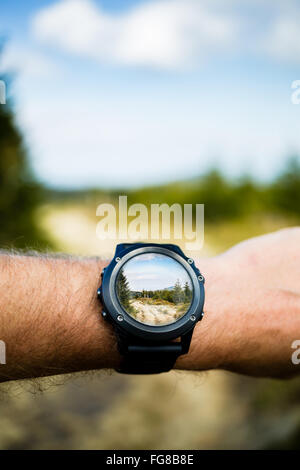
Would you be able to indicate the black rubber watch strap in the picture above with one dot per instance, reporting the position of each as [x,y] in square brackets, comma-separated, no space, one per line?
[149,358]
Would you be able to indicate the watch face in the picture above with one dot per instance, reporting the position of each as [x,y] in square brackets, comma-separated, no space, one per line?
[154,289]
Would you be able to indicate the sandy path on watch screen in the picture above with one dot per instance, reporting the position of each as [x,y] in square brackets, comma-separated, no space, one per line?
[154,314]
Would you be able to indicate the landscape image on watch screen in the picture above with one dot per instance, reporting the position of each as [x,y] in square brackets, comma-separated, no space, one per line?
[154,289]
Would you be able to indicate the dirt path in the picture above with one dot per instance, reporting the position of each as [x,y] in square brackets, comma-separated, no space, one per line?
[154,314]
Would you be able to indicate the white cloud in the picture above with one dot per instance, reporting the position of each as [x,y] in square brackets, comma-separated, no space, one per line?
[161,33]
[283,39]
[27,62]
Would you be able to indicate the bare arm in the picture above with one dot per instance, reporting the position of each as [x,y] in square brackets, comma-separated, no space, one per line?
[252,308]
[50,317]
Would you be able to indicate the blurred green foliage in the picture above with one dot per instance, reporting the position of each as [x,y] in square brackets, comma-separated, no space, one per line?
[226,199]
[286,189]
[20,195]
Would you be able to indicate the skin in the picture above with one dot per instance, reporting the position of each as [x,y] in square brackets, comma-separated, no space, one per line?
[50,317]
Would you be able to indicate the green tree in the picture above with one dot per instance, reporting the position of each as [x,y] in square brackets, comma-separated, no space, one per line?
[178,294]
[20,195]
[123,290]
[187,293]
[286,189]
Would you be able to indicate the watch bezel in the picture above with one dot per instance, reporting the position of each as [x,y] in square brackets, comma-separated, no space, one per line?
[113,308]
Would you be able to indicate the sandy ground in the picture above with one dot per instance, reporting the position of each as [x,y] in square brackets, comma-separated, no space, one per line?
[154,314]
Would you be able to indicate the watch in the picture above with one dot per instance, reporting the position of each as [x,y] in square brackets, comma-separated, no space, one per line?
[153,295]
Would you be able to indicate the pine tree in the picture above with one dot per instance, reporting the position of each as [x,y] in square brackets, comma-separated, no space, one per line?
[178,294]
[123,290]
[187,293]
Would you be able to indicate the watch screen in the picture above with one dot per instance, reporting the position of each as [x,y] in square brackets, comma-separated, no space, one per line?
[154,289]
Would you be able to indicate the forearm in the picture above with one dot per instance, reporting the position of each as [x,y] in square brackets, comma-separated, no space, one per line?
[50,318]
[51,322]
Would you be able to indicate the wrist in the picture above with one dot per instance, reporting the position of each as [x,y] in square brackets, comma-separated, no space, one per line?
[208,346]
[97,346]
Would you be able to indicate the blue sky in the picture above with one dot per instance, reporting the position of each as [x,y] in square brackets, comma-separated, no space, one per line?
[154,272]
[125,93]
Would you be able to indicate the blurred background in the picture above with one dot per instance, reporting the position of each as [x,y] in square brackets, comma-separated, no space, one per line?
[165,101]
